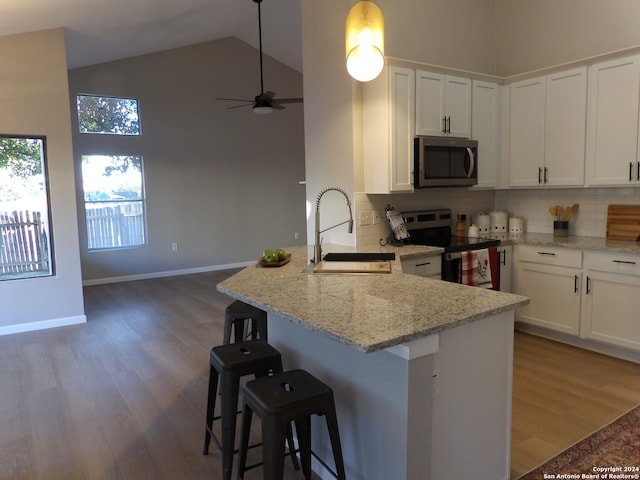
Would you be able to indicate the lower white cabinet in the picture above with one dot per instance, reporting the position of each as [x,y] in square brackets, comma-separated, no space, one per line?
[611,300]
[554,291]
[505,257]
[598,300]
[428,265]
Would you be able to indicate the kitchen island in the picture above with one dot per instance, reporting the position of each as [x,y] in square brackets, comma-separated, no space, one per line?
[421,368]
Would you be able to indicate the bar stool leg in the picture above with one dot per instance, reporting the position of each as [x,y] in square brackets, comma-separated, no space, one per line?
[332,426]
[244,441]
[211,406]
[273,448]
[229,404]
[303,429]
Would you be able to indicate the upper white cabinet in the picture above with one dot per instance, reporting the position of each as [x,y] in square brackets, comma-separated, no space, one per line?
[547,129]
[443,105]
[389,126]
[485,128]
[612,157]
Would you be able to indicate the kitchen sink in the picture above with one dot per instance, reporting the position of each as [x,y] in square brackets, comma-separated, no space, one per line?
[359,257]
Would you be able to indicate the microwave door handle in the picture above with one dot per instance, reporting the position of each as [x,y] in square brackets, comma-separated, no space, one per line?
[472,162]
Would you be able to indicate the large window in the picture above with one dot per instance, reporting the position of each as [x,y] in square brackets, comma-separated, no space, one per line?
[108,115]
[113,201]
[25,239]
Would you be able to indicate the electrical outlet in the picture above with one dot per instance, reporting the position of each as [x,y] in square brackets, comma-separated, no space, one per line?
[376,218]
[174,247]
[365,218]
[296,235]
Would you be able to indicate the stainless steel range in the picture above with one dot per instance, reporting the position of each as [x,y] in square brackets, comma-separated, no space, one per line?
[434,228]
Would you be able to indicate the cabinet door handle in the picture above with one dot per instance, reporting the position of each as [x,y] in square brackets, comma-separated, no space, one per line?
[504,257]
[539,174]
[548,254]
[546,174]
[423,264]
[444,124]
[588,285]
[631,171]
[626,262]
[575,284]
[638,171]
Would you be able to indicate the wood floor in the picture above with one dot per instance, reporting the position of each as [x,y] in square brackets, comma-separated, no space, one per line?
[562,394]
[123,396]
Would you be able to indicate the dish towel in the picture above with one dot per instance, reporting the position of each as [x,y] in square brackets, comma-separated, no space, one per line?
[475,268]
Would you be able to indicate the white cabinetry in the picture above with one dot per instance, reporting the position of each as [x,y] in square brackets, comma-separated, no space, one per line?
[547,130]
[428,265]
[611,303]
[612,157]
[505,258]
[443,105]
[389,125]
[485,128]
[551,278]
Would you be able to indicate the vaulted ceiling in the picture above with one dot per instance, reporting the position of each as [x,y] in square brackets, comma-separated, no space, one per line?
[98,31]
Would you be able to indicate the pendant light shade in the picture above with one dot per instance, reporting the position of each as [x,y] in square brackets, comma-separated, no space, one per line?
[365,41]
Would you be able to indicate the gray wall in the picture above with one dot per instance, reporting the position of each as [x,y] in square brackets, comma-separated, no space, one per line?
[34,100]
[222,183]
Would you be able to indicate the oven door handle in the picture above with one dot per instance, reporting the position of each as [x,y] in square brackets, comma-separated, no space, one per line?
[472,162]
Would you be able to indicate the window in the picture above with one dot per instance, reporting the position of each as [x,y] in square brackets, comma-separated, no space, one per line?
[25,245]
[113,201]
[108,115]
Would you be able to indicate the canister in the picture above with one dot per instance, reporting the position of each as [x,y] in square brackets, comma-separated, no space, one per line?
[516,225]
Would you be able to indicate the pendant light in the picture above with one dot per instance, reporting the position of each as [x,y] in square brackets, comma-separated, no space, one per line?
[365,41]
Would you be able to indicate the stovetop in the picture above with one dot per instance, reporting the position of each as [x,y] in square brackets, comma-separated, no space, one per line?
[434,227]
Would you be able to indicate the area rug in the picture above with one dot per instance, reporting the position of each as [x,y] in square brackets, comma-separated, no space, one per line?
[612,452]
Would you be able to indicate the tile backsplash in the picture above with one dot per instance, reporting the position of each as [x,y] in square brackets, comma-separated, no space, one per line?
[530,204]
[591,221]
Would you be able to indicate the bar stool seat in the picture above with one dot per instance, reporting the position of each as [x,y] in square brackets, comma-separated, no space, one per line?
[235,317]
[228,363]
[278,400]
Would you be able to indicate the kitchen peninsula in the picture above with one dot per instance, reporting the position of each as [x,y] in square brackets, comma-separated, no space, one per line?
[421,368]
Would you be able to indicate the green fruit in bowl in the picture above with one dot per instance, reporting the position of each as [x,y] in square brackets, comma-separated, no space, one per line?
[270,256]
[282,255]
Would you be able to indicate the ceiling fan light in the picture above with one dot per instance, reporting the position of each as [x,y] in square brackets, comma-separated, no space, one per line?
[262,110]
[365,41]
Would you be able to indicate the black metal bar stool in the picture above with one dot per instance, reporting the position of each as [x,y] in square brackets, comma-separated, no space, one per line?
[228,363]
[278,400]
[235,317]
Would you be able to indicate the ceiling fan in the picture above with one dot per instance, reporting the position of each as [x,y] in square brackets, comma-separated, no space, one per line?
[264,102]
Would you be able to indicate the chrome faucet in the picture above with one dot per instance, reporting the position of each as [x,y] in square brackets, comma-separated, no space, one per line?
[318,247]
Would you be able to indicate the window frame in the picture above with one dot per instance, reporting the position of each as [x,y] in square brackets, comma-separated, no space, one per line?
[122,134]
[142,201]
[47,224]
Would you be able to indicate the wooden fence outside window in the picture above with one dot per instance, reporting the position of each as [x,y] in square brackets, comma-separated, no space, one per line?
[24,246]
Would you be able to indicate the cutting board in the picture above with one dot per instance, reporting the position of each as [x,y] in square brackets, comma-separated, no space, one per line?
[623,222]
[352,267]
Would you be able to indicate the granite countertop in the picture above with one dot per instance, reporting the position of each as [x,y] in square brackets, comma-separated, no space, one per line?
[582,243]
[368,312]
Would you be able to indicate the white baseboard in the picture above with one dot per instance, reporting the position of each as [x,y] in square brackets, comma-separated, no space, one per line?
[170,273]
[42,325]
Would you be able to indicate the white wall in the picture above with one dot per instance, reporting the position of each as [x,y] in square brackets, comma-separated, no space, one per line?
[533,34]
[35,101]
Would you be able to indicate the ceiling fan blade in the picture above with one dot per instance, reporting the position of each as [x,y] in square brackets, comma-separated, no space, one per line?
[234,99]
[289,100]
[275,105]
[240,106]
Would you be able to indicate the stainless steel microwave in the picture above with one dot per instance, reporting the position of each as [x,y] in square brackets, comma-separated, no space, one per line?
[445,162]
